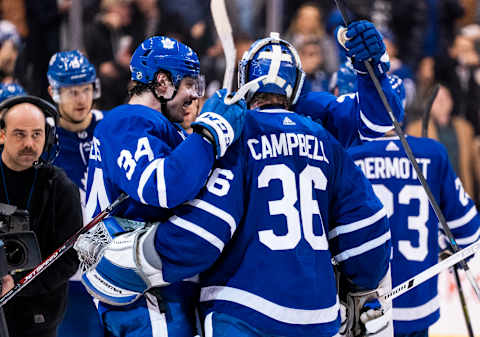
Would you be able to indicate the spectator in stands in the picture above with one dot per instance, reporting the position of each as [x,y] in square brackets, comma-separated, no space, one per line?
[455,133]
[307,24]
[9,47]
[108,47]
[311,55]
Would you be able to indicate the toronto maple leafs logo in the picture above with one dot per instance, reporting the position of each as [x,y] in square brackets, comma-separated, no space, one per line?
[168,43]
[75,63]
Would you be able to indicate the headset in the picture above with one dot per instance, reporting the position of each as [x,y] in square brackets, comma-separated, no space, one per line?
[51,147]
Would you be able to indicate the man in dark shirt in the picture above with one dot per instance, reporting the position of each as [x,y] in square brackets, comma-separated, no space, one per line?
[53,203]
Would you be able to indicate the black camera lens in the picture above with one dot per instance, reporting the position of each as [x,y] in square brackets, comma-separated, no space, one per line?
[16,253]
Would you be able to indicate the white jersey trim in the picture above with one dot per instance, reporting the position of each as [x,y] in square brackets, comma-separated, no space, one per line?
[158,165]
[344,229]
[208,325]
[195,229]
[276,111]
[469,239]
[275,311]
[219,213]
[413,313]
[369,245]
[373,126]
[157,319]
[463,220]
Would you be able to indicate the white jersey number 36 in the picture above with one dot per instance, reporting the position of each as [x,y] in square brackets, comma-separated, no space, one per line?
[311,177]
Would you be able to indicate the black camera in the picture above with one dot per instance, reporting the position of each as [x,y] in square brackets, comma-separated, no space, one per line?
[21,245]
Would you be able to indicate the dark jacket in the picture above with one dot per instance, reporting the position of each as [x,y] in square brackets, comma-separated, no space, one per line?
[56,215]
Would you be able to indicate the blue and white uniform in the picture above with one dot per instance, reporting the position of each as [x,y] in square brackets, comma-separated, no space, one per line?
[74,150]
[355,117]
[282,203]
[138,151]
[414,225]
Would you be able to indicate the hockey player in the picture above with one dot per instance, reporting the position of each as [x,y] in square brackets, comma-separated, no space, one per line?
[140,150]
[283,201]
[73,86]
[9,90]
[414,225]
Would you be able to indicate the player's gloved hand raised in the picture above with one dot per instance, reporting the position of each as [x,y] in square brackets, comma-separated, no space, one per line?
[363,42]
[220,122]
[123,271]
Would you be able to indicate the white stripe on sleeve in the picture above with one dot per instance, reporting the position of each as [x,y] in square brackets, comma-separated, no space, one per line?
[469,239]
[158,165]
[373,126]
[204,234]
[344,229]
[369,245]
[219,213]
[464,219]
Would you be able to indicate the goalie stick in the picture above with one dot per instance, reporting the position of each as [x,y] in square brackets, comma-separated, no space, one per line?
[224,31]
[432,271]
[398,129]
[60,251]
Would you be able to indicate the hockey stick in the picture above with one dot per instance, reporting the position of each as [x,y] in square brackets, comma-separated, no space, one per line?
[411,157]
[224,31]
[432,271]
[60,251]
[428,108]
[468,323]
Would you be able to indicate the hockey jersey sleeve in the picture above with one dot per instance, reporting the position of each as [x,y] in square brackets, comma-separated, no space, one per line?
[359,232]
[191,240]
[459,210]
[146,167]
[355,117]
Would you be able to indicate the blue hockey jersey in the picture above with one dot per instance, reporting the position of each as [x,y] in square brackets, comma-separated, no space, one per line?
[138,151]
[283,202]
[414,225]
[74,150]
[356,117]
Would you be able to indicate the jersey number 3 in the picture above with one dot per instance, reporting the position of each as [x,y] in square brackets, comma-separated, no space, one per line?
[311,177]
[417,223]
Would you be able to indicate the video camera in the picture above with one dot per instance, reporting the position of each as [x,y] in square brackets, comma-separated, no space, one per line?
[21,245]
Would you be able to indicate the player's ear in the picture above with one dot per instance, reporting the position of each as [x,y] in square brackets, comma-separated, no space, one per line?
[50,91]
[163,82]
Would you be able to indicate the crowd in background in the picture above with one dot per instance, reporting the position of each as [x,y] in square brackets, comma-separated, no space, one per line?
[429,42]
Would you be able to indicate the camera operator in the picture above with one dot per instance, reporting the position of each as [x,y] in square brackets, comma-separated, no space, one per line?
[32,183]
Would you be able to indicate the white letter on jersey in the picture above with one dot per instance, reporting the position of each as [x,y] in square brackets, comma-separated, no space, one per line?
[143,149]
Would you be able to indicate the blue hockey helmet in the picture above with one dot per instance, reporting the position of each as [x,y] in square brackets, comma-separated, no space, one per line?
[274,66]
[70,68]
[9,90]
[167,54]
[344,79]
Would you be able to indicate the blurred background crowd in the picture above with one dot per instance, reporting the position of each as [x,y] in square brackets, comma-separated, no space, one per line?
[429,42]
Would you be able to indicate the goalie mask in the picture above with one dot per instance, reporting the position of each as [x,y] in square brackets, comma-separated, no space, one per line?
[271,65]
[167,54]
[71,68]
